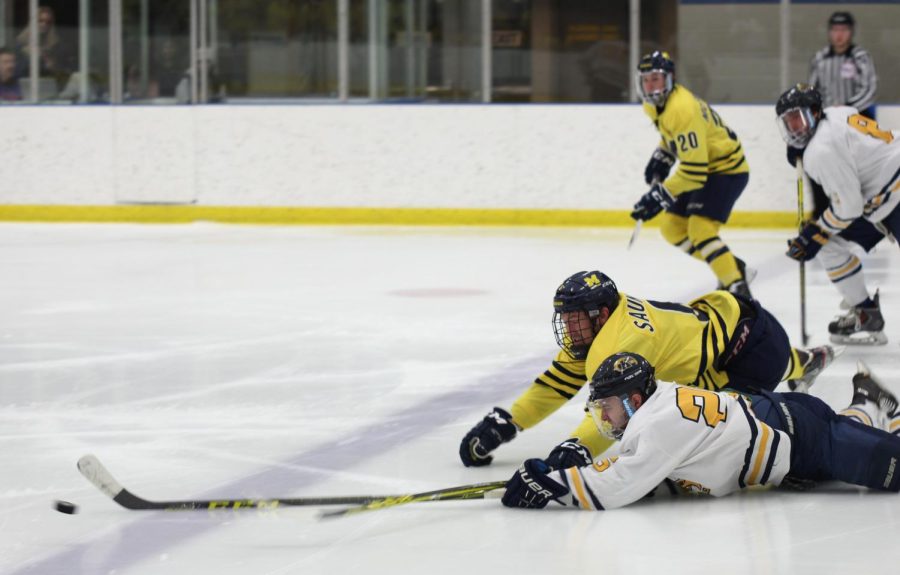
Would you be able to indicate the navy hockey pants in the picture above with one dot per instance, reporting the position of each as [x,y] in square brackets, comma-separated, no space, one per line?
[892,222]
[714,200]
[758,353]
[825,445]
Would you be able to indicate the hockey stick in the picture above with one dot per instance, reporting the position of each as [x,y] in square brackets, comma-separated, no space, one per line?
[634,234]
[474,491]
[96,473]
[638,224]
[800,216]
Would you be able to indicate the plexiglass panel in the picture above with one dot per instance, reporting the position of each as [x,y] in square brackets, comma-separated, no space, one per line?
[72,51]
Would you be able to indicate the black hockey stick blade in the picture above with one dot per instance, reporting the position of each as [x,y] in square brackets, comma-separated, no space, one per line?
[96,473]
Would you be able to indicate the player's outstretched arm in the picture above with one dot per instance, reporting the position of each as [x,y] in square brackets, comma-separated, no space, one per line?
[569,453]
[495,429]
[531,486]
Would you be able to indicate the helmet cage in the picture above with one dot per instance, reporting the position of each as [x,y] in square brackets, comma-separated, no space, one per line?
[797,126]
[576,307]
[573,334]
[656,98]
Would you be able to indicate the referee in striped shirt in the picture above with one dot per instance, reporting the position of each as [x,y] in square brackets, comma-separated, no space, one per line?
[844,72]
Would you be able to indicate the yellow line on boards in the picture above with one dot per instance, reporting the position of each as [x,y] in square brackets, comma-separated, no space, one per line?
[172,214]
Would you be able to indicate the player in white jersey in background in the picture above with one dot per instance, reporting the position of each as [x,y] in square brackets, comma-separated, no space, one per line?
[858,165]
[715,443]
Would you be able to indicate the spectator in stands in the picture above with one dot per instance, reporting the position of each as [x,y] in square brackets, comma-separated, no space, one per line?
[9,82]
[170,68]
[55,59]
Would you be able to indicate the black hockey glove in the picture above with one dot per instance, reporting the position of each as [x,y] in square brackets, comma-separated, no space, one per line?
[658,167]
[653,202]
[793,154]
[805,246]
[496,428]
[797,483]
[531,488]
[569,453]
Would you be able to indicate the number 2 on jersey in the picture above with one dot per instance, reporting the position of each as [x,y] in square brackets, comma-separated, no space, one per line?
[870,127]
[693,403]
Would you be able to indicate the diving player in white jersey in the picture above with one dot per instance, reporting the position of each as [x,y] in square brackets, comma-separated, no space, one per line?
[858,165]
[715,442]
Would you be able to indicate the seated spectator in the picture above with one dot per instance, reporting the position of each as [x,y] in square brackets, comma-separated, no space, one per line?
[9,82]
[55,59]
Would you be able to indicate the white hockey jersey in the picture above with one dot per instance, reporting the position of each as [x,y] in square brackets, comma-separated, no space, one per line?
[857,163]
[709,442]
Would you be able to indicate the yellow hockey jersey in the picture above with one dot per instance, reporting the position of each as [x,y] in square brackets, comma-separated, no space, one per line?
[682,342]
[697,136]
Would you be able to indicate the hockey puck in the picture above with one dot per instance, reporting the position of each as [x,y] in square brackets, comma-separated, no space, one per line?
[66,507]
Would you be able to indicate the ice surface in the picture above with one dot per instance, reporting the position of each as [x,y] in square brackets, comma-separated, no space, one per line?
[205,361]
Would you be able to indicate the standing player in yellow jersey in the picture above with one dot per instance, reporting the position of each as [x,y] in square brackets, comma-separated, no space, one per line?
[718,340]
[712,171]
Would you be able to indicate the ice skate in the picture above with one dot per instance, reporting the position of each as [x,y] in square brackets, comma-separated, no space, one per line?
[747,276]
[740,288]
[859,326]
[866,387]
[818,359]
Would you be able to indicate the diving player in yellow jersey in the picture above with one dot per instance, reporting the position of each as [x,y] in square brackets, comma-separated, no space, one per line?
[712,171]
[718,340]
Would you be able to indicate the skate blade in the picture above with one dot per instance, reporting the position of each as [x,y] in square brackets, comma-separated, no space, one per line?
[798,386]
[861,338]
[749,275]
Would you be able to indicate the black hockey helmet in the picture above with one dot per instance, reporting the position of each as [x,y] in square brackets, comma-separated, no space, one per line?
[622,373]
[656,61]
[612,386]
[587,292]
[841,19]
[798,111]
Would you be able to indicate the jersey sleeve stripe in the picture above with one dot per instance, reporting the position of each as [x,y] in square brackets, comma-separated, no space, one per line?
[696,178]
[559,391]
[833,222]
[742,483]
[703,359]
[697,164]
[734,155]
[727,168]
[559,367]
[574,386]
[760,455]
[714,339]
[776,438]
[702,172]
[575,481]
[723,327]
